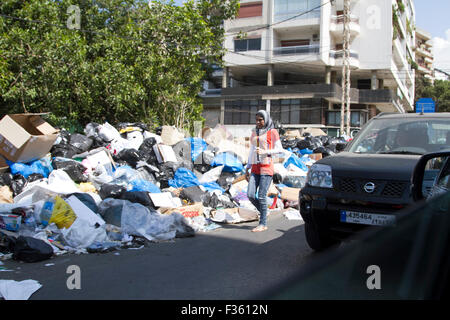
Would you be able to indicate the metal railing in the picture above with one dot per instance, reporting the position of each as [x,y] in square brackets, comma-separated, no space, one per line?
[340,54]
[340,19]
[297,50]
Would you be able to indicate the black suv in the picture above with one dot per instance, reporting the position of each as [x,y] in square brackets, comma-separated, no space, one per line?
[370,180]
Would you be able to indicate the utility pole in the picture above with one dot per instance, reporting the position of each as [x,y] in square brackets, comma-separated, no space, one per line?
[346,81]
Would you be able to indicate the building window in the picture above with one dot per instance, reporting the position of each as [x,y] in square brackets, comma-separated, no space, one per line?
[247,45]
[288,8]
[296,111]
[242,111]
[247,10]
[357,118]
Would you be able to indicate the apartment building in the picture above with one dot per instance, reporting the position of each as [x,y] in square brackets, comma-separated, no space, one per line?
[286,56]
[424,54]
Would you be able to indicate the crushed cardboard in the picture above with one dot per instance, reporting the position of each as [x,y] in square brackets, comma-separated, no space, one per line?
[25,137]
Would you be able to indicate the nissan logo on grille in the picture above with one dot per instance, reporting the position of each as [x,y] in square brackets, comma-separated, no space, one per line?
[369,187]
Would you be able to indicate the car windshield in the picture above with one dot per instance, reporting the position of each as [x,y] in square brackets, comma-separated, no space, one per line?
[403,136]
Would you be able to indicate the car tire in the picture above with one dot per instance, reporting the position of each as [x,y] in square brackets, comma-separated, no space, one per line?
[317,239]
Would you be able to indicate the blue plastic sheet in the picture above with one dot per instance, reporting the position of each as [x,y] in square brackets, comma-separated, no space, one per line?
[299,162]
[42,166]
[230,162]
[144,185]
[198,145]
[185,178]
[306,151]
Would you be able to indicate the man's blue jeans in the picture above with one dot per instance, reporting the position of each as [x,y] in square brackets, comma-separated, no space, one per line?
[260,183]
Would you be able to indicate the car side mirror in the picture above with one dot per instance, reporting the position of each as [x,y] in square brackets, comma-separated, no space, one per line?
[340,146]
[431,174]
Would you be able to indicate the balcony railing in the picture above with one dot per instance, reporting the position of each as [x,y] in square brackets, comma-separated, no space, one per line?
[297,50]
[340,19]
[340,54]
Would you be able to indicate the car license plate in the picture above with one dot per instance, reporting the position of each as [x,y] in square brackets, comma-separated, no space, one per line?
[372,219]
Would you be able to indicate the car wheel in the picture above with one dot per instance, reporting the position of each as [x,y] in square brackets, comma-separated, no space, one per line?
[318,240]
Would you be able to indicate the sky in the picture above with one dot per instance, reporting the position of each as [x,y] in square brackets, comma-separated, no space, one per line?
[432,16]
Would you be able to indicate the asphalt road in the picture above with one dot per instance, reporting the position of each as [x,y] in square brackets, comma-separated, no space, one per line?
[228,263]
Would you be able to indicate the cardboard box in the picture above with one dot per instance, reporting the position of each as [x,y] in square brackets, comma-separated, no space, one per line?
[290,194]
[315,156]
[192,211]
[25,137]
[10,222]
[3,165]
[164,153]
[293,134]
[315,132]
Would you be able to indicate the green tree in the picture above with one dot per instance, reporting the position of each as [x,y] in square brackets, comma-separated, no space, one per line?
[129,62]
[439,92]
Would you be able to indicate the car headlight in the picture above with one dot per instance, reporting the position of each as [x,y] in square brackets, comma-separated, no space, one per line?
[319,175]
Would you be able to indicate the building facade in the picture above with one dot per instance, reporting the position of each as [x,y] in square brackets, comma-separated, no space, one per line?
[286,56]
[424,55]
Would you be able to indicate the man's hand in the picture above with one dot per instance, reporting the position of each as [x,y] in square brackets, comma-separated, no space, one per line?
[247,174]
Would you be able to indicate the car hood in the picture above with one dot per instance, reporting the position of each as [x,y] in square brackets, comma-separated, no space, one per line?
[372,166]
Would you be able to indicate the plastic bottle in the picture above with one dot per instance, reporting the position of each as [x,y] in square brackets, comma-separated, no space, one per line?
[47,211]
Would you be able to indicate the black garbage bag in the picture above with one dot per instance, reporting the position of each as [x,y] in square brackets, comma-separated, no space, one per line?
[73,168]
[325,151]
[226,180]
[193,194]
[130,156]
[212,200]
[146,173]
[146,152]
[7,243]
[6,178]
[182,150]
[81,142]
[64,150]
[315,142]
[141,197]
[294,181]
[17,184]
[325,140]
[289,143]
[304,144]
[277,178]
[29,249]
[111,191]
[202,168]
[158,131]
[205,158]
[92,131]
[34,177]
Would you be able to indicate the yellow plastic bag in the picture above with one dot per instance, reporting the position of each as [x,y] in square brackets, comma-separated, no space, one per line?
[87,187]
[62,214]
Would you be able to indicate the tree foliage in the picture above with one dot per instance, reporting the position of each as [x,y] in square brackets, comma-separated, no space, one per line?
[439,92]
[129,61]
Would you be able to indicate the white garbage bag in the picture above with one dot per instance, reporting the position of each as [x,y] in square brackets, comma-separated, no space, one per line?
[82,234]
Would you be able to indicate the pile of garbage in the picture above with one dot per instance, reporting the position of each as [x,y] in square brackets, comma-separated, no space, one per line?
[123,186]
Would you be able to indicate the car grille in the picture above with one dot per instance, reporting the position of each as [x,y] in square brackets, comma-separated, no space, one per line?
[348,185]
[391,189]
[394,189]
